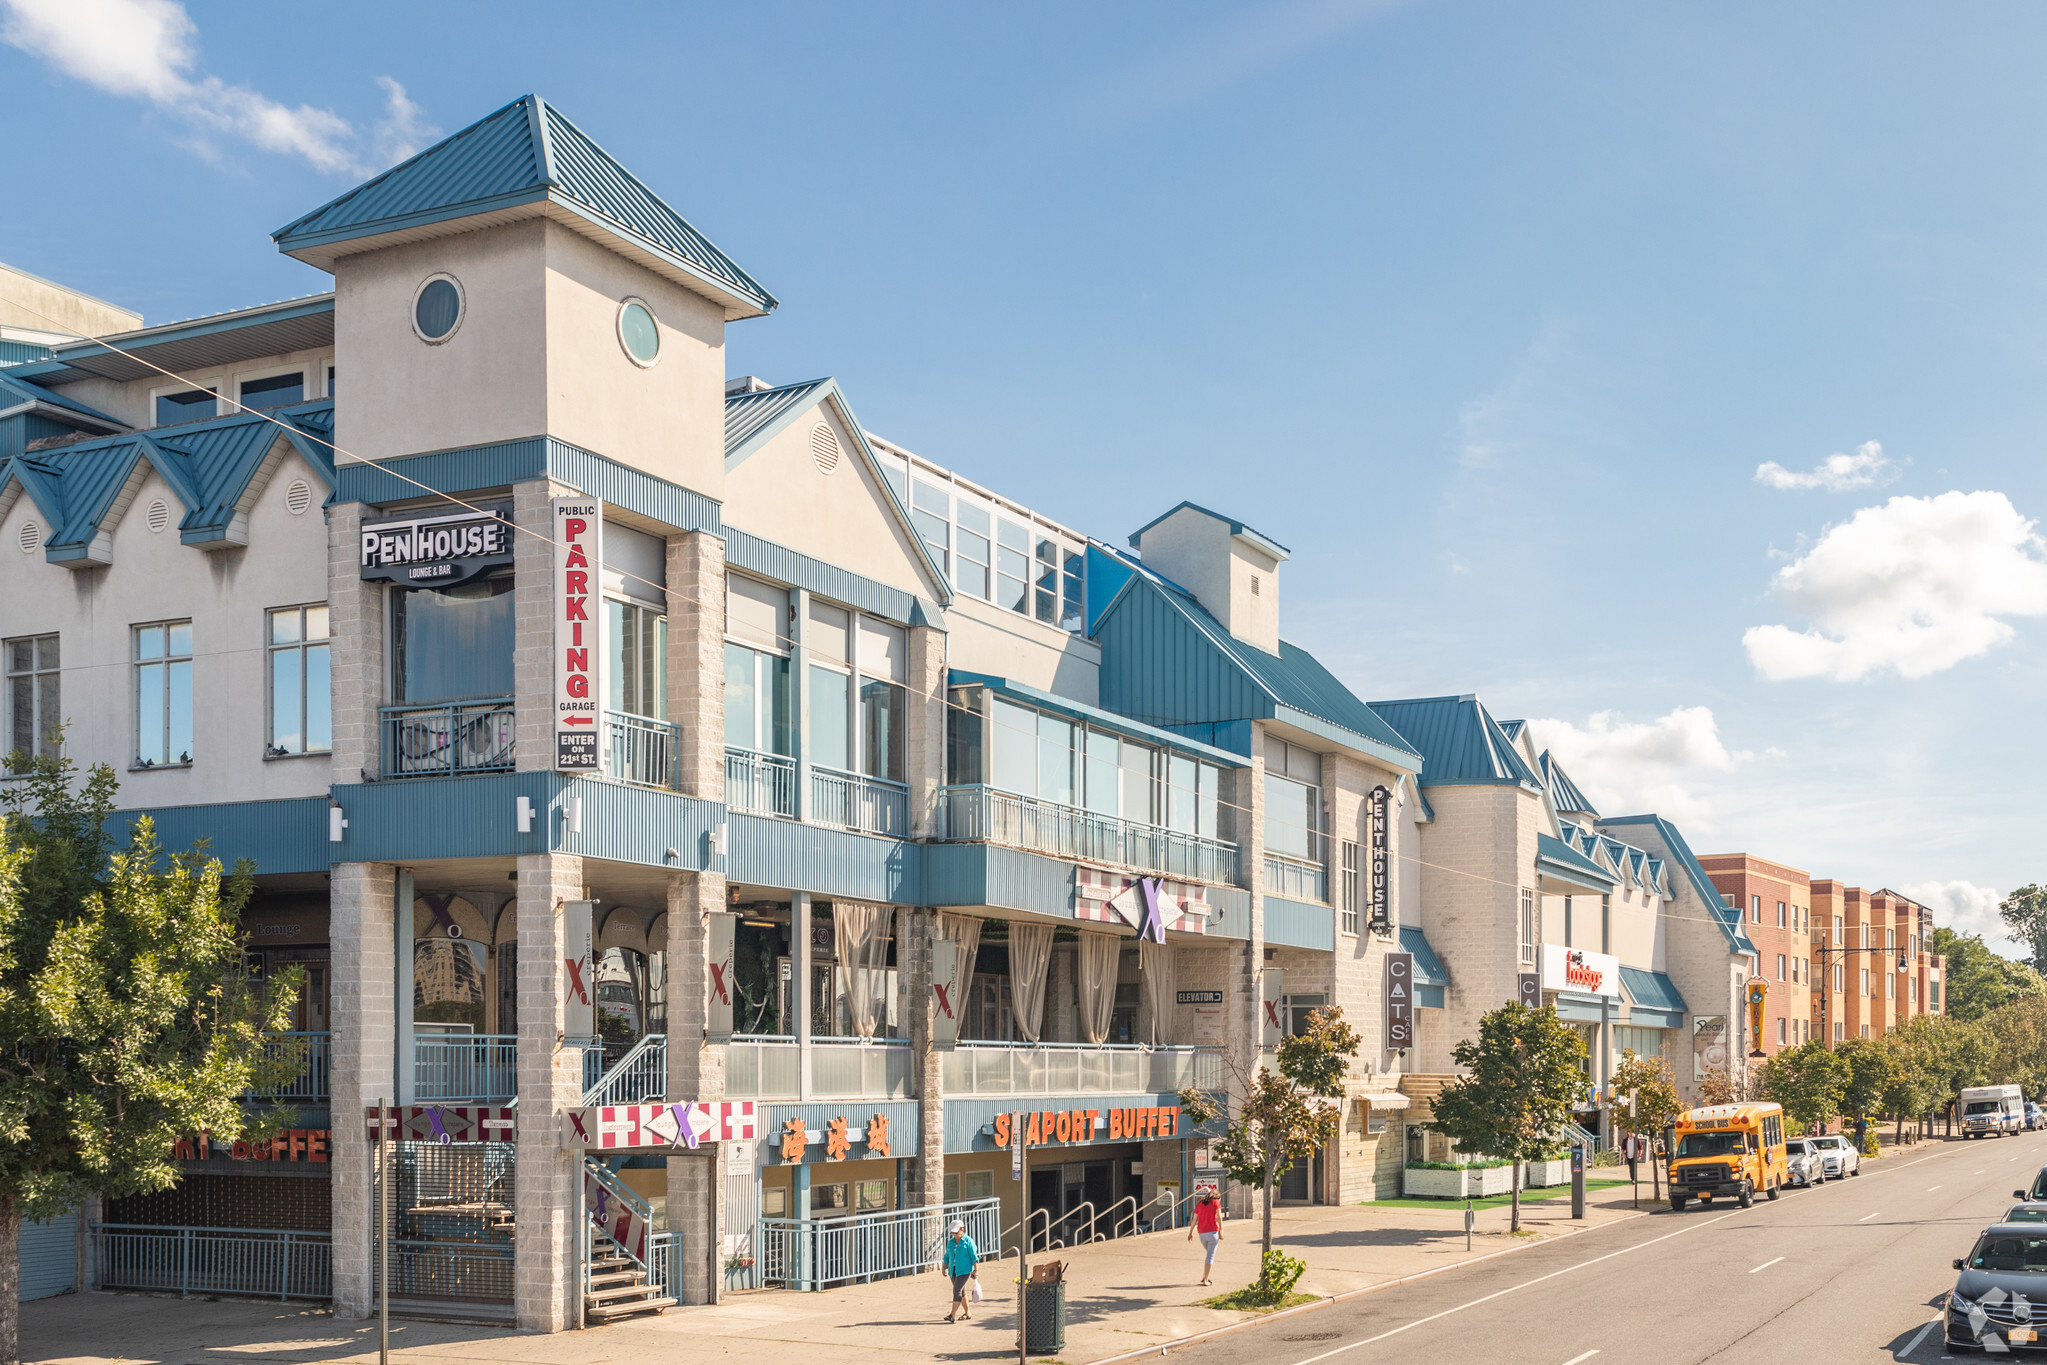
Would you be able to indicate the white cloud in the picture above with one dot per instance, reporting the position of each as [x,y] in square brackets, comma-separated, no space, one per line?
[145,49]
[1629,767]
[1837,473]
[403,129]
[1967,908]
[1916,585]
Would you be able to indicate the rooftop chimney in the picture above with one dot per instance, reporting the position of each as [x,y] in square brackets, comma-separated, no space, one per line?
[1231,569]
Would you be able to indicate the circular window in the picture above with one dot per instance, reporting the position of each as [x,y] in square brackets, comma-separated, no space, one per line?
[437,309]
[637,332]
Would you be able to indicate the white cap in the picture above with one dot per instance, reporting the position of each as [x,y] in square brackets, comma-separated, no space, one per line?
[958,1226]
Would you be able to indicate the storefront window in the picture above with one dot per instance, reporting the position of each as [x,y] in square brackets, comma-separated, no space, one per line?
[638,641]
[757,702]
[448,982]
[452,642]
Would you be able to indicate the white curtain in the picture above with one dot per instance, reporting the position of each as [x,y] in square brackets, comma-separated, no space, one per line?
[965,930]
[1098,959]
[1030,954]
[1155,974]
[863,931]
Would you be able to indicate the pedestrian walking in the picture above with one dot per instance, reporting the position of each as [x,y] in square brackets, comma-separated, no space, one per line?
[1208,1221]
[1861,1127]
[962,1261]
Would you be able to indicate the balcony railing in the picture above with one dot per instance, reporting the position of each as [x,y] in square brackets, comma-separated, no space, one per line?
[639,1076]
[463,1066]
[451,738]
[870,805]
[760,784]
[643,751]
[977,1068]
[175,1260]
[840,1068]
[311,1052]
[983,814]
[1296,880]
[813,1253]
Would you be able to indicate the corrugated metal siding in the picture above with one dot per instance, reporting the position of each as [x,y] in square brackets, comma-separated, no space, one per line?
[1233,919]
[1563,792]
[763,851]
[1428,968]
[1641,1018]
[442,817]
[1428,997]
[1157,667]
[1458,739]
[1648,990]
[508,462]
[1565,863]
[749,417]
[1300,924]
[903,1128]
[49,1256]
[635,490]
[19,352]
[1585,1009]
[798,570]
[490,158]
[626,824]
[1729,919]
[281,836]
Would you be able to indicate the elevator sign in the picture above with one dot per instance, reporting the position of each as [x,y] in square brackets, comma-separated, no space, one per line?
[578,650]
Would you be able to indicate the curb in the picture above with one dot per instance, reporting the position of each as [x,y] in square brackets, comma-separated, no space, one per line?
[1161,1348]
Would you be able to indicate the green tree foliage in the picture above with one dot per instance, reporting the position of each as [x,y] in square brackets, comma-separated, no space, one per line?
[1522,1076]
[1284,1116]
[2025,914]
[1913,1082]
[1978,980]
[1871,1073]
[127,1018]
[1950,1053]
[1647,1082]
[1808,1081]
[2016,1036]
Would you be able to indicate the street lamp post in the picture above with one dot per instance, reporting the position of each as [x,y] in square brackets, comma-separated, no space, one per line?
[1827,982]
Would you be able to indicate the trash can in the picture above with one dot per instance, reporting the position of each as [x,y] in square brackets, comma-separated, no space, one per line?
[1045,1317]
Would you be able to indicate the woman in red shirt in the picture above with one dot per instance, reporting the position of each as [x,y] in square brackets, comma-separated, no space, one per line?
[1208,1221]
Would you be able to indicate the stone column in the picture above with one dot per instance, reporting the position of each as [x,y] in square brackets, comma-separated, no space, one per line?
[361,931]
[696,661]
[356,650]
[550,1080]
[926,748]
[696,1071]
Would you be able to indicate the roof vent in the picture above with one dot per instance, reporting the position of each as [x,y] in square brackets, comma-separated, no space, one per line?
[158,515]
[824,448]
[31,537]
[298,496]
[746,383]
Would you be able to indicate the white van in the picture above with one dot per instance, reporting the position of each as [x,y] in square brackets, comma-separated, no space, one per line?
[1990,1109]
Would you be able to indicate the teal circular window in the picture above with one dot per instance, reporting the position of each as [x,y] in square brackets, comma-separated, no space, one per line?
[637,332]
[437,309]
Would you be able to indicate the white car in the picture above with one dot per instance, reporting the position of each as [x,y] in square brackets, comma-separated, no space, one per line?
[1838,1156]
[1808,1167]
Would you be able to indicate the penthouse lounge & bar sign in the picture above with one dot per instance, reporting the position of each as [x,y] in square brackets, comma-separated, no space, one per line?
[434,552]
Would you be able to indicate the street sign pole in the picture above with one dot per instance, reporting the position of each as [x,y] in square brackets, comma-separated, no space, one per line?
[1469,1219]
[1020,1170]
[383,1235]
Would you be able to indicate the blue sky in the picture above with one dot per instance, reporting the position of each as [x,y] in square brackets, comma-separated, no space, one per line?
[1492,312]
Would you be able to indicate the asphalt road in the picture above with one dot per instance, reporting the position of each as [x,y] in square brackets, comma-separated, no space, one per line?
[1851,1271]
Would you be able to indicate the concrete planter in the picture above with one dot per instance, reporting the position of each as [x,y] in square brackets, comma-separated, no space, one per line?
[1473,1182]
[1492,1180]
[1542,1174]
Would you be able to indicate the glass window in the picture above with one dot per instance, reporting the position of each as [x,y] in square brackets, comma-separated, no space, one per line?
[163,693]
[277,391]
[931,513]
[189,406]
[963,748]
[1055,759]
[1780,966]
[973,573]
[437,309]
[828,731]
[1780,914]
[826,636]
[1047,595]
[1139,799]
[1015,766]
[1072,581]
[1528,938]
[1290,811]
[1353,887]
[757,701]
[1104,774]
[301,720]
[1012,567]
[884,650]
[453,642]
[756,612]
[1182,778]
[34,698]
[638,640]
[637,332]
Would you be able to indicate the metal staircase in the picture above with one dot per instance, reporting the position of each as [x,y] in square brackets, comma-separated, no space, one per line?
[639,1076]
[617,1285]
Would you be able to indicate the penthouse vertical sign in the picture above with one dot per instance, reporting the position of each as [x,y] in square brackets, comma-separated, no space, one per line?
[578,650]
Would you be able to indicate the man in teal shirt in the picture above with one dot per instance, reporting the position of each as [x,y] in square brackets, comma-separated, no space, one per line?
[960,1259]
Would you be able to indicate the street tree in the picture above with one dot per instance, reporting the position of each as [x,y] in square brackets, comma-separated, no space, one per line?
[1871,1069]
[1953,1054]
[2016,1034]
[1522,1076]
[1911,1087]
[1808,1081]
[1720,1086]
[1643,1087]
[1978,980]
[127,1018]
[1286,1115]
[2024,913]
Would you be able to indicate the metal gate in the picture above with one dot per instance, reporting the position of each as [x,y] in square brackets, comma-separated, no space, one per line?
[452,1221]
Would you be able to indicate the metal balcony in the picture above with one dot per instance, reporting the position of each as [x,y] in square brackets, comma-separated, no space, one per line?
[987,815]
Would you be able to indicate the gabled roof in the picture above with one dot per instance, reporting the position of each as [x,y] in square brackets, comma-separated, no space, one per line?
[1512,729]
[20,395]
[1460,740]
[1237,529]
[523,161]
[302,324]
[1563,792]
[1167,661]
[1555,858]
[1726,917]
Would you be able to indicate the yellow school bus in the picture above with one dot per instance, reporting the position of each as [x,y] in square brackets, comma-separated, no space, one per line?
[1729,1151]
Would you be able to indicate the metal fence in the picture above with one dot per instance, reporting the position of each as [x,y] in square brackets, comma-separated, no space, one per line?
[815,1253]
[639,1076]
[760,784]
[1032,1069]
[464,1066]
[1295,880]
[433,1268]
[453,737]
[644,751]
[869,805]
[978,814]
[312,1051]
[254,1261]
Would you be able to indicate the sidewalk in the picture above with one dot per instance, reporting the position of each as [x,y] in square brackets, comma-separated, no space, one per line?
[1121,1296]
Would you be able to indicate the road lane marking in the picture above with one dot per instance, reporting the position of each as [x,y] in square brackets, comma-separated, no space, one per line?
[1575,1360]
[1867,1216]
[1931,1188]
[1922,1335]
[1764,1266]
[1516,1288]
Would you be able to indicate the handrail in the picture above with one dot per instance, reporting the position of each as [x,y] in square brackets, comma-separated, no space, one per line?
[1173,1202]
[1022,1226]
[633,1078]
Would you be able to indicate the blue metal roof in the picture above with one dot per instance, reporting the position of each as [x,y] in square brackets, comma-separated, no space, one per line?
[1512,729]
[1652,990]
[1461,741]
[1167,661]
[524,154]
[1560,860]
[1237,528]
[1564,794]
[1728,918]
[1428,968]
[16,391]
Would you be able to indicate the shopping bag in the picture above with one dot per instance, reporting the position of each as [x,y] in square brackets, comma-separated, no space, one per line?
[974,1290]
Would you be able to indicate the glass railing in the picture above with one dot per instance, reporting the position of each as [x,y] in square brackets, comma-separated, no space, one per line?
[869,805]
[984,814]
[464,1066]
[840,1068]
[760,784]
[1297,877]
[448,739]
[982,1068]
[643,751]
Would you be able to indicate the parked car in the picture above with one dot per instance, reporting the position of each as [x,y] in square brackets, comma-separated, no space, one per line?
[1837,1151]
[1808,1167]
[2032,1211]
[2036,1118]
[2039,1189]
[2001,1277]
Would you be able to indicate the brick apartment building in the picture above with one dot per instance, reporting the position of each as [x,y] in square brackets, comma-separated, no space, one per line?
[1775,901]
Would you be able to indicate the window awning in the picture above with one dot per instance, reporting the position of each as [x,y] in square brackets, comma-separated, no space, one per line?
[1392,1099]
[1557,861]
[1428,968]
[1651,990]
